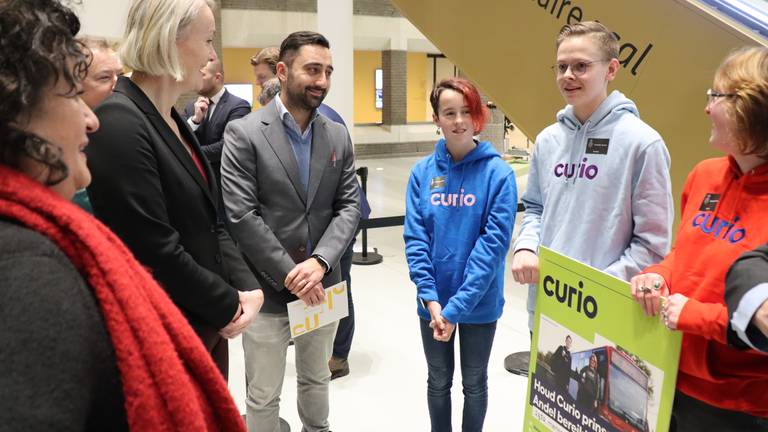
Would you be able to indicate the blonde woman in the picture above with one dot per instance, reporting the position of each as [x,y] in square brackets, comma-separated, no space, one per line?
[151,183]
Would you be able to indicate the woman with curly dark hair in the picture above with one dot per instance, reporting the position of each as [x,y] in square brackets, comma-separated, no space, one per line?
[89,340]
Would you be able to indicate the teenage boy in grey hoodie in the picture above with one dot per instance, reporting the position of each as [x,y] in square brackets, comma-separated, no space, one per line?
[598,186]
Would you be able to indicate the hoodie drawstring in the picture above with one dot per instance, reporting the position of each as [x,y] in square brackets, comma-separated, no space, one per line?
[580,149]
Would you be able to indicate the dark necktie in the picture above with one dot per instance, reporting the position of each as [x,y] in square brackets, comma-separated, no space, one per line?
[210,109]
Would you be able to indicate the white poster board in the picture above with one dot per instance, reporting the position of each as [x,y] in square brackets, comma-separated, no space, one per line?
[304,319]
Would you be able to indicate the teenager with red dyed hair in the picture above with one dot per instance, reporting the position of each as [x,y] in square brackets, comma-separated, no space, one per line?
[460,210]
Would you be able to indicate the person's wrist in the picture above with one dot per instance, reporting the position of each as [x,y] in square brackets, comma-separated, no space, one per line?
[323,263]
[238,312]
[434,308]
[760,319]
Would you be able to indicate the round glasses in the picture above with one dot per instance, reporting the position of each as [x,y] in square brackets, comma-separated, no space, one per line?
[713,95]
[578,68]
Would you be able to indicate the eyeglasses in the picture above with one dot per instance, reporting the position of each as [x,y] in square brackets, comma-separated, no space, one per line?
[712,95]
[578,68]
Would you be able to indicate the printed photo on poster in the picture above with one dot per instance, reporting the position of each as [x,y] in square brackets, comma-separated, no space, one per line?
[592,386]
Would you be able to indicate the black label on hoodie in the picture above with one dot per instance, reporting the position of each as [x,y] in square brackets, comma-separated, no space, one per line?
[597,146]
[710,202]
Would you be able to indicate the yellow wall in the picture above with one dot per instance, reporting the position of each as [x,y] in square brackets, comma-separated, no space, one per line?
[238,70]
[365,64]
[417,87]
[418,67]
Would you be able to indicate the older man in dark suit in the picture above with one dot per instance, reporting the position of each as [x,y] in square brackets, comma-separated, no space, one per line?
[289,185]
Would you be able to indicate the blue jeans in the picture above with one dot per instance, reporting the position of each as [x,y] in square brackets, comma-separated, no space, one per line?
[342,344]
[475,341]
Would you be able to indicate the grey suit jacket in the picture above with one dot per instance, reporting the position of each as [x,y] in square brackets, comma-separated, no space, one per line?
[270,214]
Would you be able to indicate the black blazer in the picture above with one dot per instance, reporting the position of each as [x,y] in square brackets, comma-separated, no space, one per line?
[210,133]
[147,189]
[270,212]
[746,273]
[63,365]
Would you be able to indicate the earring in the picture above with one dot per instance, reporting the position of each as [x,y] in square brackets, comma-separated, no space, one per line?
[437,131]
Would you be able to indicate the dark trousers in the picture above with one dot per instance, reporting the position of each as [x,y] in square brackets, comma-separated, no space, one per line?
[342,344]
[475,341]
[692,415]
[216,345]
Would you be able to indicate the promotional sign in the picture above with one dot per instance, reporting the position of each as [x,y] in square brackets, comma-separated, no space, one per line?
[304,319]
[598,363]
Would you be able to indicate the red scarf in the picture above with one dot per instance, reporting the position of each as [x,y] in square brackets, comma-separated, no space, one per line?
[169,380]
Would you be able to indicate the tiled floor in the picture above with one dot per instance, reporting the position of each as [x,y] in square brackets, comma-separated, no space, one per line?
[386,390]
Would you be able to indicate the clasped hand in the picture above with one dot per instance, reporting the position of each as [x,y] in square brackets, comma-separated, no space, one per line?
[442,329]
[305,282]
[250,304]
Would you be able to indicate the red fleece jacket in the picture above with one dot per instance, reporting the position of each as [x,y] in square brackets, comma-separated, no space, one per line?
[724,214]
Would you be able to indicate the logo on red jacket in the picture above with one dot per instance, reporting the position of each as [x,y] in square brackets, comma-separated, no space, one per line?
[718,228]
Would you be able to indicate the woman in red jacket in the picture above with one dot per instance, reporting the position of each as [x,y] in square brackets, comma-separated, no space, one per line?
[724,205]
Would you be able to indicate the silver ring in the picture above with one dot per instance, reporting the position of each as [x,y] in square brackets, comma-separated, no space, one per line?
[657,285]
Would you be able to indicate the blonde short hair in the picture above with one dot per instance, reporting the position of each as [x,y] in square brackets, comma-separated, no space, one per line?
[268,56]
[744,73]
[95,43]
[153,26]
[606,40]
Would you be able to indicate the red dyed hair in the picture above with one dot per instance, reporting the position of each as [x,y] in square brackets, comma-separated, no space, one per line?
[477,110]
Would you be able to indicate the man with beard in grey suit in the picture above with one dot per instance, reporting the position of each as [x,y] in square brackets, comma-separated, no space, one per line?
[291,196]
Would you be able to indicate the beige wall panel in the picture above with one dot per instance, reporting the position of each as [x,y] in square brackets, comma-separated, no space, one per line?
[507,48]
[418,64]
[366,63]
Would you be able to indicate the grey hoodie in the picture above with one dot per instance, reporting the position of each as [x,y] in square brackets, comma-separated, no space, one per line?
[599,192]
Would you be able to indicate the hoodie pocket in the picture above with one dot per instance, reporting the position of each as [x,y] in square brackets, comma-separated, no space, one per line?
[449,275]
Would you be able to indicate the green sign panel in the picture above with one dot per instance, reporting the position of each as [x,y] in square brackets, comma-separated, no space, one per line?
[598,364]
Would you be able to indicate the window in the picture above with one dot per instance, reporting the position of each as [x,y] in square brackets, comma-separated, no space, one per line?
[244,91]
[378,79]
[752,14]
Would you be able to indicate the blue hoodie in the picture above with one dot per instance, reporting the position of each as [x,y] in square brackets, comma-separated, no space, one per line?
[458,223]
[599,192]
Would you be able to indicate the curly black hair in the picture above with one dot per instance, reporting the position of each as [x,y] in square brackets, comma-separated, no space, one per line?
[37,49]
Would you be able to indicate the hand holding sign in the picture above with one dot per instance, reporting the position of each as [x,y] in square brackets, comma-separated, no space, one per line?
[334,306]
[647,290]
[525,267]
